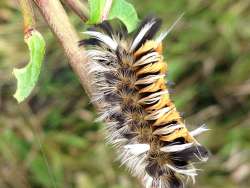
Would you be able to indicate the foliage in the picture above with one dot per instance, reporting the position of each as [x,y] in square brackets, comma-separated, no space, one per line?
[208,58]
[96,9]
[120,9]
[28,76]
[125,12]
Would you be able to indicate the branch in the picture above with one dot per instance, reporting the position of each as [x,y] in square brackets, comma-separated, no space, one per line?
[58,21]
[79,8]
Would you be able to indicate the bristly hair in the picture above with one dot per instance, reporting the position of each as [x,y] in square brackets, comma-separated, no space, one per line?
[128,77]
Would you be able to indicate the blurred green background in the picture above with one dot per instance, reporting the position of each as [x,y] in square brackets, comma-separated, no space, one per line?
[209,57]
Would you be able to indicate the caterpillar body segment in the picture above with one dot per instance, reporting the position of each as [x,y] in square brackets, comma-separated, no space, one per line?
[129,79]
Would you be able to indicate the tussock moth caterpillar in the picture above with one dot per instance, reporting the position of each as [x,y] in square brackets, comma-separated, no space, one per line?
[128,74]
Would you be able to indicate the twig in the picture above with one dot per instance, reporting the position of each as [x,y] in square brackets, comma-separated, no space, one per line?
[58,21]
[79,8]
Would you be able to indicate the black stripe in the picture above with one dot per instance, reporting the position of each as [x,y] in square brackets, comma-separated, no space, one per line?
[106,27]
[190,154]
[151,32]
[90,41]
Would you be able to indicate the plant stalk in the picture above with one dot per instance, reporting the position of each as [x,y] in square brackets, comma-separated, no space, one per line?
[28,16]
[58,21]
[79,8]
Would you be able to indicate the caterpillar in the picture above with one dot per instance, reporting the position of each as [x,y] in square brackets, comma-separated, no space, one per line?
[128,75]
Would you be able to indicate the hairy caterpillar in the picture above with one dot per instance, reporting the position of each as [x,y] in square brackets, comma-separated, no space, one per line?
[128,74]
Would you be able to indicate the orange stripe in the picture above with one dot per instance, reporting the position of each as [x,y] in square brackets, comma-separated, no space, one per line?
[159,85]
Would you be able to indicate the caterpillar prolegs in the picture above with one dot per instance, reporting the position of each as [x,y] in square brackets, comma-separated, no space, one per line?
[128,76]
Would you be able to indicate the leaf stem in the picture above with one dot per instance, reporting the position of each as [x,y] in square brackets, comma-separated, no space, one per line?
[28,16]
[106,9]
[79,8]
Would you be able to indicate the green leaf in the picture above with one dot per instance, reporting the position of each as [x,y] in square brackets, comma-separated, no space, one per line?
[96,9]
[28,76]
[125,12]
[120,9]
